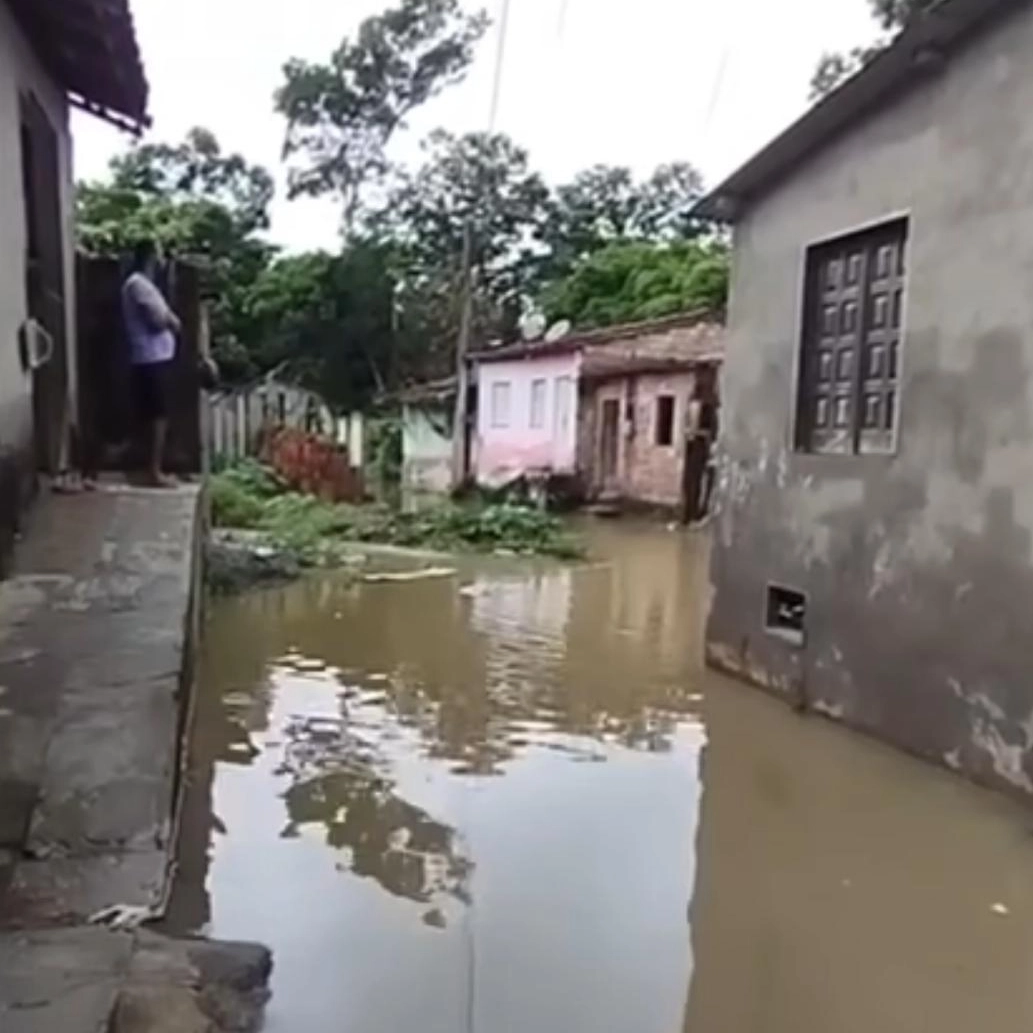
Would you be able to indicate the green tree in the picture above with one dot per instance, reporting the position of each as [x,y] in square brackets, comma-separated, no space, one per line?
[342,115]
[479,181]
[327,321]
[604,204]
[626,282]
[666,200]
[892,16]
[196,169]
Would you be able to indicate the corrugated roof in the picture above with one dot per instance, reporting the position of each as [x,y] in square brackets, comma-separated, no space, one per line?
[635,367]
[90,47]
[917,53]
[580,340]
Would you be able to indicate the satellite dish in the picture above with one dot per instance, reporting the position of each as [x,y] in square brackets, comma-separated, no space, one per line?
[532,326]
[558,331]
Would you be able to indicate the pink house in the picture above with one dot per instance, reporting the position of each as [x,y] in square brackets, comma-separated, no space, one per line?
[629,413]
[526,411]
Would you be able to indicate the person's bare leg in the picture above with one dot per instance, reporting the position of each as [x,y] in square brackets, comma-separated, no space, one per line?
[157,477]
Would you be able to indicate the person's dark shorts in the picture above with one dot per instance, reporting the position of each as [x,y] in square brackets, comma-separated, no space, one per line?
[152,385]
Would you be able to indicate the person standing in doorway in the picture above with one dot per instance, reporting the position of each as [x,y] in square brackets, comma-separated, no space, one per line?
[152,328]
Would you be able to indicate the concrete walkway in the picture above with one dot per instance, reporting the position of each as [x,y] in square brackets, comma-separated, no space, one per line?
[97,625]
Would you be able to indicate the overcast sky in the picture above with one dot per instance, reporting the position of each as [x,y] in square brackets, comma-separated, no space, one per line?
[632,82]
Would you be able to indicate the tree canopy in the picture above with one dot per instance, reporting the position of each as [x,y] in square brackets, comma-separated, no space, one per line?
[631,282]
[341,115]
[605,203]
[384,308]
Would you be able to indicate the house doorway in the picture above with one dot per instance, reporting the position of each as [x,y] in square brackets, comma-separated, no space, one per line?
[44,281]
[609,441]
[698,471]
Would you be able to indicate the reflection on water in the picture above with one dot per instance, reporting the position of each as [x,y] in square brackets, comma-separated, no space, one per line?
[451,804]
[335,784]
[474,804]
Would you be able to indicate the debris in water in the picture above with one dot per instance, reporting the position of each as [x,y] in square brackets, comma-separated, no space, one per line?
[409,575]
[308,666]
[124,917]
[1000,909]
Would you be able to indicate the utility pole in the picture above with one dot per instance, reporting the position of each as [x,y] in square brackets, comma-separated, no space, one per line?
[460,430]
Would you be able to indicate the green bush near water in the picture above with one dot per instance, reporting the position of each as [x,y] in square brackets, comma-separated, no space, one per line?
[248,496]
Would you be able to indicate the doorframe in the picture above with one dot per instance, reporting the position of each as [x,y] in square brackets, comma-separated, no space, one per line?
[45,282]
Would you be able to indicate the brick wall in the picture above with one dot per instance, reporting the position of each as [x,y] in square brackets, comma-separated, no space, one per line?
[646,471]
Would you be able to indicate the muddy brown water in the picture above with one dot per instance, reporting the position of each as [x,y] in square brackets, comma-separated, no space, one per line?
[511,800]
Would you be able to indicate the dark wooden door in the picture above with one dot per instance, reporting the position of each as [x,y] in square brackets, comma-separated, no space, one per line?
[45,276]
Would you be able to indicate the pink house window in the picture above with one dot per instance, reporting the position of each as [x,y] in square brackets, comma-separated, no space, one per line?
[564,412]
[500,399]
[538,389]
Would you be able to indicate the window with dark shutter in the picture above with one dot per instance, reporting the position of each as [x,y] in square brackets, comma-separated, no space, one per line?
[850,354]
[665,421]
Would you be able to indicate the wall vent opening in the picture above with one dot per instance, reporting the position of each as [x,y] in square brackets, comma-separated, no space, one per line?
[785,616]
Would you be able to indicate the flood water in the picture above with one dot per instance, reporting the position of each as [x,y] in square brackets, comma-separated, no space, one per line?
[511,800]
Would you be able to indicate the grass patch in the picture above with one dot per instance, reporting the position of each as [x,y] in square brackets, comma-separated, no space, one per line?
[249,496]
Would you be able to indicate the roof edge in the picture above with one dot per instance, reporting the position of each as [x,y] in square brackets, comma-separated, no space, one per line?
[918,51]
[602,335]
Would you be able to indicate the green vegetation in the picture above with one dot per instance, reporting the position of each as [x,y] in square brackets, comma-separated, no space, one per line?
[249,497]
[383,309]
[628,283]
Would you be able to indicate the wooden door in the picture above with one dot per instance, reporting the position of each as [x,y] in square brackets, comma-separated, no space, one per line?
[609,441]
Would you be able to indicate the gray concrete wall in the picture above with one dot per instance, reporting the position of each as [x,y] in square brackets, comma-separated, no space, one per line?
[918,566]
[21,71]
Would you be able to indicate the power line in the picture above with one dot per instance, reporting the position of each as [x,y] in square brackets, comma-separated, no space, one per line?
[561,22]
[718,87]
[500,61]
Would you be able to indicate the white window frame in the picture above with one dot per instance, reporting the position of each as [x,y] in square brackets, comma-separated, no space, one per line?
[501,403]
[564,405]
[538,403]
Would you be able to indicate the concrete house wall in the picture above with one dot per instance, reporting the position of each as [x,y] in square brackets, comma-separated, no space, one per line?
[426,451]
[20,72]
[917,566]
[506,448]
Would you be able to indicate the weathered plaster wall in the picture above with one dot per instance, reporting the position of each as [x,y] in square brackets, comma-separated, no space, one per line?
[918,567]
[19,72]
[426,451]
[504,452]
